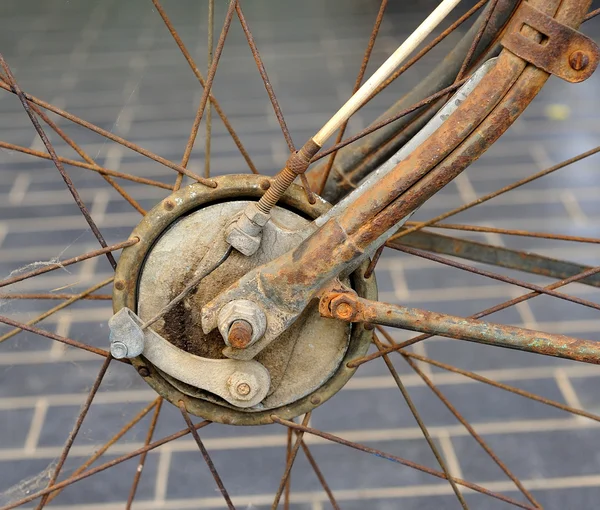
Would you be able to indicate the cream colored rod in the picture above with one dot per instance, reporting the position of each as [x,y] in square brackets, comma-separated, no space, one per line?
[386,69]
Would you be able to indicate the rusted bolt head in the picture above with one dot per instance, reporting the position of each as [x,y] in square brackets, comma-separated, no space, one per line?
[169,205]
[240,334]
[343,310]
[143,371]
[578,60]
[315,400]
[120,285]
[265,184]
[243,389]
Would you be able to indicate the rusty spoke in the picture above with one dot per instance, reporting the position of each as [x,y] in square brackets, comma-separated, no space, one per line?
[290,461]
[506,387]
[288,482]
[142,459]
[205,454]
[263,74]
[591,14]
[357,83]
[86,157]
[59,307]
[493,276]
[421,424]
[467,62]
[502,306]
[206,91]
[472,431]
[51,295]
[319,474]
[511,232]
[75,430]
[496,193]
[102,450]
[209,58]
[107,134]
[396,459]
[107,465]
[426,49]
[378,125]
[101,170]
[214,103]
[59,338]
[61,265]
[57,163]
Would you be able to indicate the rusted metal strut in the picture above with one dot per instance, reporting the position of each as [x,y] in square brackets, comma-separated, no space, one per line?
[349,307]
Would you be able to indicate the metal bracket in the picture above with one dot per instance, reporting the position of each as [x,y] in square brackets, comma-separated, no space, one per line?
[241,383]
[563,51]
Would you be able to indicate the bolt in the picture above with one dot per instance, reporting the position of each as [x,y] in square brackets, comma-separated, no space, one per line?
[579,60]
[118,349]
[240,334]
[344,310]
[243,389]
[143,371]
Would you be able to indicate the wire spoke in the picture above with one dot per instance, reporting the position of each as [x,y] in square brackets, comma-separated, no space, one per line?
[102,450]
[59,338]
[357,83]
[511,232]
[502,306]
[206,91]
[467,62]
[496,384]
[75,430]
[57,163]
[374,127]
[263,74]
[215,104]
[591,14]
[109,135]
[209,57]
[426,49]
[319,474]
[57,308]
[85,156]
[421,424]
[88,166]
[288,482]
[51,295]
[61,265]
[396,459]
[496,193]
[493,276]
[142,460]
[107,465]
[290,461]
[205,454]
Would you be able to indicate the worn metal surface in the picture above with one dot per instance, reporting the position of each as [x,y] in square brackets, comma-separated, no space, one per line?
[291,364]
[563,52]
[241,383]
[495,255]
[355,162]
[347,306]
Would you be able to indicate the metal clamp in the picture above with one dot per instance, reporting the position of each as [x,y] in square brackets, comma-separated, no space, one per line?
[562,51]
[241,383]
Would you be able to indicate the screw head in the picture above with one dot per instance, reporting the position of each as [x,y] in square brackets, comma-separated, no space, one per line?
[578,60]
[344,310]
[243,389]
[118,349]
[143,371]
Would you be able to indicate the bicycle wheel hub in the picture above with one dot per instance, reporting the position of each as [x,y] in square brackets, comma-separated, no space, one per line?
[301,369]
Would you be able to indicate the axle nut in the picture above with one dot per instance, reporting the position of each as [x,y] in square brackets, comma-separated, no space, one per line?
[231,321]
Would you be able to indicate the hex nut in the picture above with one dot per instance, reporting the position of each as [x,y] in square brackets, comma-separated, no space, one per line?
[242,309]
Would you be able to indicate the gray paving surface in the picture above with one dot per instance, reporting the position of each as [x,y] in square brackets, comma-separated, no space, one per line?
[114,63]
